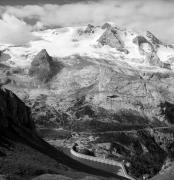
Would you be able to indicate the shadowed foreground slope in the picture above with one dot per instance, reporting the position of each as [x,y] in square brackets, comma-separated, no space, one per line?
[21,148]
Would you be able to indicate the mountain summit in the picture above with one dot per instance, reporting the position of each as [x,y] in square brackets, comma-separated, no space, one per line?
[41,66]
[139,50]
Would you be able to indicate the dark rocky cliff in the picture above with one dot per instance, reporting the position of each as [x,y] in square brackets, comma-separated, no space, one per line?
[13,112]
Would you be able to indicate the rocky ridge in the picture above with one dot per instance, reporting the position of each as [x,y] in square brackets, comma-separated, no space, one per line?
[43,66]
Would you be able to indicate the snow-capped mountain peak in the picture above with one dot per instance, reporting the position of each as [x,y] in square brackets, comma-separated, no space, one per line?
[108,42]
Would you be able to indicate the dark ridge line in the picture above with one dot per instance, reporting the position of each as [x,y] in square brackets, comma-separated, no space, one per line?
[24,135]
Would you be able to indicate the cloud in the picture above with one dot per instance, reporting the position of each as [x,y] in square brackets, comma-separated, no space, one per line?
[72,14]
[14,31]
[154,15]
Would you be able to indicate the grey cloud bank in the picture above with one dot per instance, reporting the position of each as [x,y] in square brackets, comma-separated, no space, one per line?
[154,15]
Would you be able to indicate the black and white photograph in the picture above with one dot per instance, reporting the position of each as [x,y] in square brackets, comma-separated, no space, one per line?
[86,89]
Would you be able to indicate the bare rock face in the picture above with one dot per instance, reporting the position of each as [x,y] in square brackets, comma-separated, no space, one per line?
[153,60]
[148,49]
[13,111]
[154,40]
[90,29]
[145,47]
[42,66]
[106,26]
[166,66]
[154,44]
[4,56]
[111,38]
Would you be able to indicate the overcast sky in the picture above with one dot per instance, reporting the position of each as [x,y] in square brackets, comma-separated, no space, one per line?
[25,2]
[19,16]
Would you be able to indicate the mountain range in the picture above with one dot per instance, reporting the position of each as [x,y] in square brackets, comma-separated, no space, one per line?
[94,79]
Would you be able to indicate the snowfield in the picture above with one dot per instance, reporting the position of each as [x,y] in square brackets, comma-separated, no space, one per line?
[64,42]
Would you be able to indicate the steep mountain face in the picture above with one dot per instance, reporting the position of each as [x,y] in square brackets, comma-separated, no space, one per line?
[17,130]
[111,38]
[124,77]
[90,29]
[13,112]
[43,67]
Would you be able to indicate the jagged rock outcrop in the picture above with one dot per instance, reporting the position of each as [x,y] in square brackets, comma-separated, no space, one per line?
[90,29]
[145,47]
[139,40]
[4,56]
[13,112]
[106,26]
[153,59]
[153,39]
[149,50]
[111,38]
[43,67]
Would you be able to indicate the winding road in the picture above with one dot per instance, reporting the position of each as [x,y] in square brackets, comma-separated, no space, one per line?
[104,166]
[115,167]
